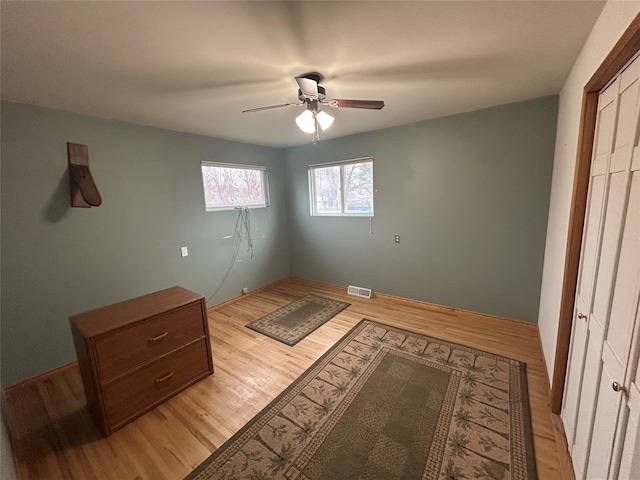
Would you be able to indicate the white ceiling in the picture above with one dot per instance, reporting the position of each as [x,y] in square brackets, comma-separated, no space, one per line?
[194,66]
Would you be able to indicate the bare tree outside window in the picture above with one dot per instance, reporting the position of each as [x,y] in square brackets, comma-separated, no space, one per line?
[358,188]
[327,182]
[345,188]
[230,186]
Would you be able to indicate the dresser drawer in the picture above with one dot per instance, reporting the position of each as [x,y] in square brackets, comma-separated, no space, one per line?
[137,392]
[124,349]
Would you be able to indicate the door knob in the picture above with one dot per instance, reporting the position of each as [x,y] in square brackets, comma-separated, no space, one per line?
[582,316]
[617,387]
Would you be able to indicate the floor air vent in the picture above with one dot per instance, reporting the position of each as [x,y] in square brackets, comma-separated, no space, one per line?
[359,291]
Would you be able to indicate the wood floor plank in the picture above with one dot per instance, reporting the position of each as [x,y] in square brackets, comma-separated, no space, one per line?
[54,437]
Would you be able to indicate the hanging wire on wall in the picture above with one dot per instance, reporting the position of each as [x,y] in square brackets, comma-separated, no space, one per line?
[241,232]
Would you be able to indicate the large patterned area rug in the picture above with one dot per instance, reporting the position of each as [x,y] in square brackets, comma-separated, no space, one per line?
[386,403]
[294,321]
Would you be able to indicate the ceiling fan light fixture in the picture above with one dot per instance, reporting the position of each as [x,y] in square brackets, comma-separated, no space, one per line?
[324,119]
[306,121]
[312,96]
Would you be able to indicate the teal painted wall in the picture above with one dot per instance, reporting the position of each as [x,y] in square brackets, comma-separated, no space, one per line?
[469,195]
[57,260]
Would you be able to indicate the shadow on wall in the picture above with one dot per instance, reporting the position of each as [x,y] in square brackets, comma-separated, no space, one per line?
[58,205]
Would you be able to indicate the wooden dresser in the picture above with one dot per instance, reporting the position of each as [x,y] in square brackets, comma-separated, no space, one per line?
[135,354]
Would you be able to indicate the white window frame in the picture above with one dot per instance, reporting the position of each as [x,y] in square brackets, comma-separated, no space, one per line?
[263,178]
[341,164]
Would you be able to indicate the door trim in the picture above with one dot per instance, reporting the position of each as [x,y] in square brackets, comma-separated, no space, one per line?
[623,51]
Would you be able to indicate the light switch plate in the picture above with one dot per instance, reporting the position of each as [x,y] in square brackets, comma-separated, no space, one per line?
[184,251]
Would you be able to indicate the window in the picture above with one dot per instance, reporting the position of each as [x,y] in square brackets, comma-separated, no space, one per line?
[228,186]
[342,188]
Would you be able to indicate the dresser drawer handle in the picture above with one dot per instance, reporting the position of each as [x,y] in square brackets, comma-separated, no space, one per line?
[159,337]
[165,378]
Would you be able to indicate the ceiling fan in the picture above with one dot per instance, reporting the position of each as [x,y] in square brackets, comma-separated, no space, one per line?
[312,95]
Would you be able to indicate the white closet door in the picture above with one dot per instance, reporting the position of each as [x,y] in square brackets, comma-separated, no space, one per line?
[617,362]
[603,144]
[605,320]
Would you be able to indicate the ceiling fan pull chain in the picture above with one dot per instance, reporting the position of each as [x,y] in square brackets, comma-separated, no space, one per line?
[316,132]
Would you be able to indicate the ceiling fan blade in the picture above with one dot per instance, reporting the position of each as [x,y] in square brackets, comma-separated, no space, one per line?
[308,87]
[259,109]
[369,104]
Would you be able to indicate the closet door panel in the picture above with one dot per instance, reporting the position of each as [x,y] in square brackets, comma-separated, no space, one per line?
[602,153]
[591,394]
[612,412]
[624,303]
[580,327]
[630,461]
[605,126]
[630,443]
[605,425]
[589,390]
[608,262]
[573,384]
[590,247]
[626,128]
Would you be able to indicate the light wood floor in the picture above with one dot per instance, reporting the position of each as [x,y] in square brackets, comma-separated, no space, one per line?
[53,436]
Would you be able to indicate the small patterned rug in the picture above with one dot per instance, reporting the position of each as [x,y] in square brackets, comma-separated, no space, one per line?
[294,321]
[387,403]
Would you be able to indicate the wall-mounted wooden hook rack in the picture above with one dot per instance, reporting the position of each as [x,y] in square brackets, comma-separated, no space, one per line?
[84,192]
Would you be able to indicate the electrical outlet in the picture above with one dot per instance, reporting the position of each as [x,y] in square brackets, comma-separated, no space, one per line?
[396,239]
[245,290]
[184,251]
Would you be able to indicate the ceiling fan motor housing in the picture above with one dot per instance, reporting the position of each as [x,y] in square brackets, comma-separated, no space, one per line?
[321,94]
[312,96]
